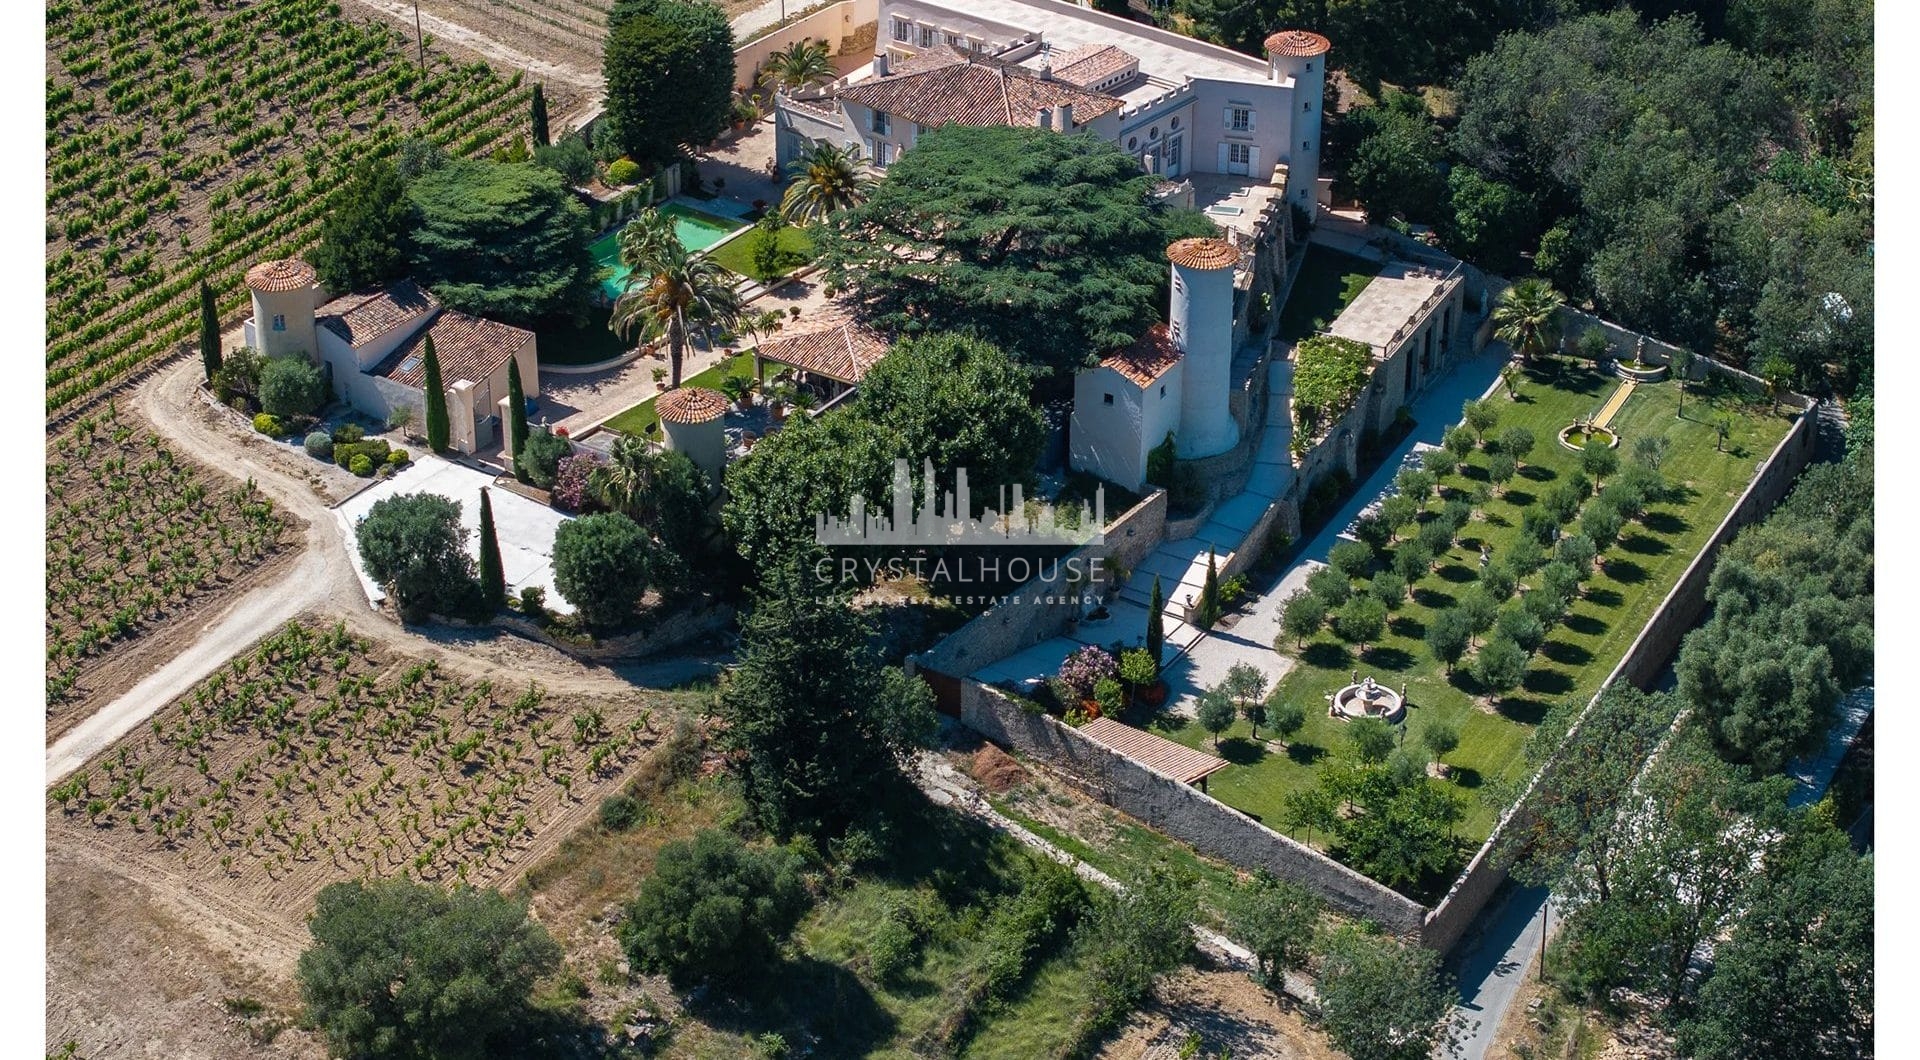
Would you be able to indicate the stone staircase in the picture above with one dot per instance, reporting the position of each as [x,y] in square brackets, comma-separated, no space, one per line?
[1181,565]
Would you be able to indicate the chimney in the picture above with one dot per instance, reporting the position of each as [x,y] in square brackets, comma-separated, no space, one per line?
[1044,118]
[882,64]
[1046,71]
[1066,117]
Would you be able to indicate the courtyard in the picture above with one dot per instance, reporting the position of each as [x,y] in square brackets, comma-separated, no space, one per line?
[524,527]
[1577,654]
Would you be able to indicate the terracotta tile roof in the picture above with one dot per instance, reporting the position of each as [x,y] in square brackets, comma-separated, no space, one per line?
[469,347]
[287,274]
[1203,253]
[1091,64]
[973,91]
[1147,359]
[364,316]
[690,404]
[1298,43]
[1158,753]
[843,353]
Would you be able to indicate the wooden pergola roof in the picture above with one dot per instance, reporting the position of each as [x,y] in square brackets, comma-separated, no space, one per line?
[843,354]
[1178,761]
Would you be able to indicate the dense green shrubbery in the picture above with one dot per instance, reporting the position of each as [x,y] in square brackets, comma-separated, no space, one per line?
[1328,373]
[541,457]
[292,386]
[714,909]
[319,445]
[268,424]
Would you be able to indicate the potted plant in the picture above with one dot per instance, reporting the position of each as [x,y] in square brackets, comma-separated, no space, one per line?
[660,378]
[739,389]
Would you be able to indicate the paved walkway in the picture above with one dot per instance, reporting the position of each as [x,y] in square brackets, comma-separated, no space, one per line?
[1612,408]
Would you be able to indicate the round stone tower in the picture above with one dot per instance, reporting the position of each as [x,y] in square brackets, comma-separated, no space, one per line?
[1201,320]
[1302,56]
[283,301]
[691,418]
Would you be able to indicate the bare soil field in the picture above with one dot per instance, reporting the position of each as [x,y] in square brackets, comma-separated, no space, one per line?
[317,757]
[1226,1011]
[140,541]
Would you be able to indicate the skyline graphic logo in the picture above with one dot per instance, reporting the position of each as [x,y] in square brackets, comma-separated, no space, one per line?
[945,519]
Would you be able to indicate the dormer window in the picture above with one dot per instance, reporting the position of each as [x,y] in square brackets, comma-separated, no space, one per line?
[902,30]
[926,36]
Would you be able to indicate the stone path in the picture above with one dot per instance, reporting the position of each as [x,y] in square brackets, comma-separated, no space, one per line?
[1612,408]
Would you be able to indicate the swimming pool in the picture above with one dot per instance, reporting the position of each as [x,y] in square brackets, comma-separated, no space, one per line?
[697,232]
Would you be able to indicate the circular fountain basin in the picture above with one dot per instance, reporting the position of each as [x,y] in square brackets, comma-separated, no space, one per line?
[1574,437]
[1369,701]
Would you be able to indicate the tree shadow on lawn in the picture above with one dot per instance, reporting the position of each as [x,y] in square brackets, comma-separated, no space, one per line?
[1601,596]
[1645,545]
[1626,571]
[1543,681]
[1396,660]
[1326,655]
[1538,473]
[1585,625]
[1565,654]
[1305,754]
[804,997]
[1408,627]
[1518,498]
[1666,524]
[1433,599]
[1241,751]
[1464,776]
[1523,710]
[1457,573]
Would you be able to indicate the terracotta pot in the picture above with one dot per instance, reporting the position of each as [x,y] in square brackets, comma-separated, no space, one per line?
[1090,707]
[1154,694]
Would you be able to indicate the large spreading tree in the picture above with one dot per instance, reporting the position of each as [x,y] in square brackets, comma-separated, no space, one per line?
[413,545]
[403,970]
[959,402]
[669,73]
[818,727]
[1046,245]
[502,240]
[363,240]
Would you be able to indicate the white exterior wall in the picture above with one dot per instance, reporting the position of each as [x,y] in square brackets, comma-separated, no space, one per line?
[704,443]
[1201,319]
[1147,134]
[1112,441]
[294,310]
[1302,152]
[1267,140]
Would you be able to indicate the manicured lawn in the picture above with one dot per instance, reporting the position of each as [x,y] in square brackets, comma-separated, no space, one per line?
[641,419]
[1328,280]
[736,255]
[1616,603]
[575,344]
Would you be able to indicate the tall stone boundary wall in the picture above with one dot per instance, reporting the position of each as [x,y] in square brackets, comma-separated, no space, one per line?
[1017,624]
[1641,666]
[1180,810]
[836,24]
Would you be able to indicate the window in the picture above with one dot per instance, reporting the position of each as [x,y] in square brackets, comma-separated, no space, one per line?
[1106,399]
[1307,105]
[1163,390]
[955,40]
[883,155]
[1133,143]
[880,124]
[279,322]
[1153,133]
[902,30]
[1175,123]
[1306,145]
[1239,154]
[1309,66]
[1240,119]
[926,36]
[1173,156]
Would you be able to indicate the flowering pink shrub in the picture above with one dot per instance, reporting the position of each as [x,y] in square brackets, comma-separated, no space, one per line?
[570,483]
[1085,668]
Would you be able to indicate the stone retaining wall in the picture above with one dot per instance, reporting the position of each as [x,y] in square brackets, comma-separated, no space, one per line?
[680,628]
[1180,810]
[1014,625]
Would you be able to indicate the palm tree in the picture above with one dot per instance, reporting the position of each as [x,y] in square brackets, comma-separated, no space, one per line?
[825,179]
[1528,317]
[676,291]
[647,239]
[628,481]
[799,65]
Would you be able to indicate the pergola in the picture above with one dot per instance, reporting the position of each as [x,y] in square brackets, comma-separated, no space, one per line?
[838,356]
[1162,755]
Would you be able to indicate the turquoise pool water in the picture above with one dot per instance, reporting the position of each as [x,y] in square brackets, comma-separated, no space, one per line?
[697,232]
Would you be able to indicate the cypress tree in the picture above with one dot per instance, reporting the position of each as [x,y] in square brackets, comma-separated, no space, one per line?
[516,416]
[1210,594]
[438,430]
[1156,626]
[540,116]
[209,332]
[493,578]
